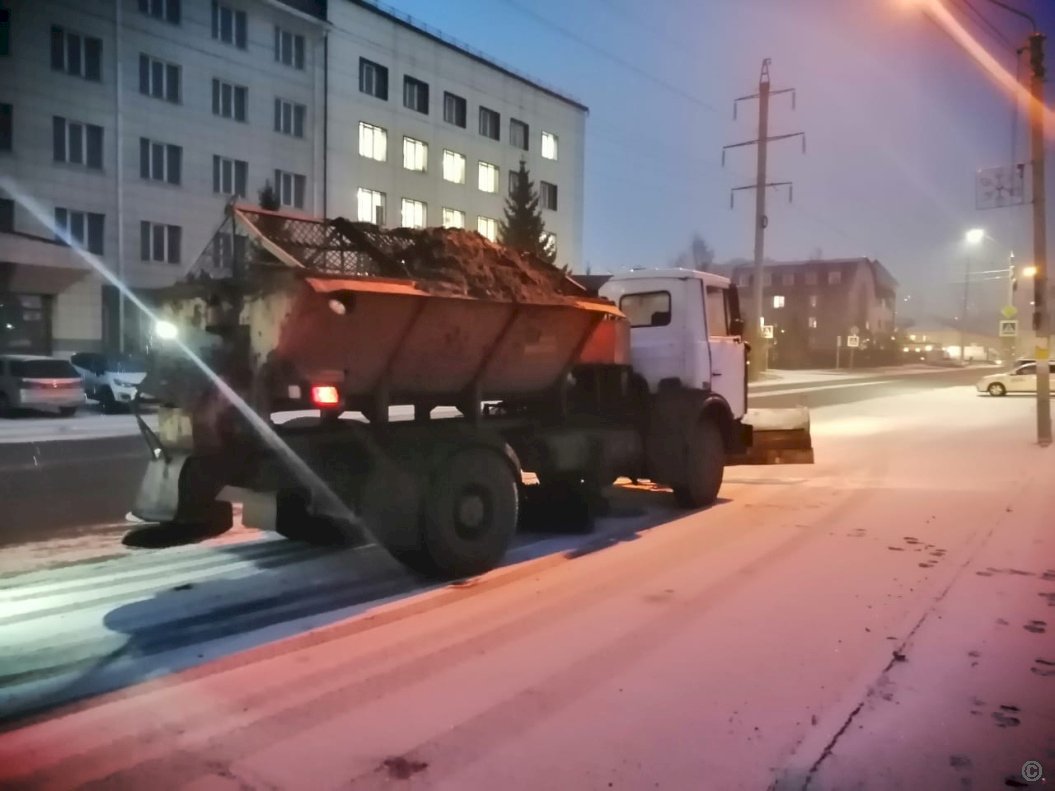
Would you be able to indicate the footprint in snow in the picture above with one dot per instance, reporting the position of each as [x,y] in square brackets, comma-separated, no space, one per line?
[1043,667]
[1037,627]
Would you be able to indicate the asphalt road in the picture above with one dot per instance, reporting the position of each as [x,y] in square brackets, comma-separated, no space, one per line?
[66,488]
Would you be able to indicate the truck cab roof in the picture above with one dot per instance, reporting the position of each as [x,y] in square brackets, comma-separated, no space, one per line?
[671,273]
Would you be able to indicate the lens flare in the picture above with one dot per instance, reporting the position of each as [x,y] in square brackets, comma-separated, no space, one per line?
[306,476]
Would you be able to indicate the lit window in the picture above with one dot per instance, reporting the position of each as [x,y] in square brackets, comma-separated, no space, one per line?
[549,145]
[453,167]
[413,214]
[778,301]
[487,227]
[488,178]
[373,142]
[813,322]
[371,206]
[415,154]
[453,218]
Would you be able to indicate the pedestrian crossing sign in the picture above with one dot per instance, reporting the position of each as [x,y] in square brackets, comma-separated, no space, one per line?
[1009,328]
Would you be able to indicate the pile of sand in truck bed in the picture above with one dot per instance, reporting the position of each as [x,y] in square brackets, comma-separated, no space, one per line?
[456,261]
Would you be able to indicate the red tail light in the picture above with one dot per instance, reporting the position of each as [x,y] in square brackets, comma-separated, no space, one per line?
[325,395]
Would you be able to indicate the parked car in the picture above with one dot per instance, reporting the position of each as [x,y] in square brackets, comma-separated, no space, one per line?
[110,379]
[1022,378]
[31,382]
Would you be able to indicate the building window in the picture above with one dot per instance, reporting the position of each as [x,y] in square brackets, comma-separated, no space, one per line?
[289,118]
[229,176]
[290,188]
[416,95]
[84,229]
[229,101]
[453,167]
[414,214]
[160,243]
[160,161]
[488,177]
[289,48]
[811,277]
[813,300]
[788,279]
[77,143]
[373,142]
[415,154]
[514,181]
[549,241]
[767,279]
[454,109]
[373,79]
[778,301]
[7,134]
[835,277]
[549,145]
[5,32]
[548,195]
[158,79]
[487,228]
[229,25]
[165,10]
[518,134]
[453,218]
[743,281]
[490,121]
[812,322]
[75,54]
[7,215]
[371,206]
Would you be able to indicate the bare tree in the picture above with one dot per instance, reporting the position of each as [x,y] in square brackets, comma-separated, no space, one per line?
[698,256]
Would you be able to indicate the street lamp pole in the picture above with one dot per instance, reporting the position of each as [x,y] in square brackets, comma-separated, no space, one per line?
[1041,320]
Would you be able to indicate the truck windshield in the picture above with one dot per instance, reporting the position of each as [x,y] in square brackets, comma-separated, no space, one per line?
[650,309]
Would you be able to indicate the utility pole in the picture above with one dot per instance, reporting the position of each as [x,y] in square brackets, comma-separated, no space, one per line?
[759,345]
[1041,319]
[963,311]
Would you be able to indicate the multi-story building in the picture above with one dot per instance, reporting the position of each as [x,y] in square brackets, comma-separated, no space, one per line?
[128,124]
[811,305]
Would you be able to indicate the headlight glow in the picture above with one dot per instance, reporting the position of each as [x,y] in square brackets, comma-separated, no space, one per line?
[166,330]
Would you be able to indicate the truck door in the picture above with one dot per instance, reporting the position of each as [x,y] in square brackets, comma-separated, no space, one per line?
[727,349]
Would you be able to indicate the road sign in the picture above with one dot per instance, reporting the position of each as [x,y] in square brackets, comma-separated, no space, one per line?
[767,332]
[1009,328]
[1009,311]
[1000,186]
[852,341]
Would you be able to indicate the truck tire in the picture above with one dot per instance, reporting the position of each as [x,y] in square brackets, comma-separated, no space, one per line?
[704,467]
[106,399]
[217,519]
[468,515]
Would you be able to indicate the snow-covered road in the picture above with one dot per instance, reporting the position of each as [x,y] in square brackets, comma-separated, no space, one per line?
[879,620]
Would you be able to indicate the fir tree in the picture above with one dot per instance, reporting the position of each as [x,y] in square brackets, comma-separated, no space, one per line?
[523,228]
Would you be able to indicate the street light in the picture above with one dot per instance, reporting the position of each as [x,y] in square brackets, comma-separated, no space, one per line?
[975,236]
[1029,271]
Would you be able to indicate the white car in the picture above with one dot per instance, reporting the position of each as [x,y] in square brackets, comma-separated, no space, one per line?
[112,380]
[1022,378]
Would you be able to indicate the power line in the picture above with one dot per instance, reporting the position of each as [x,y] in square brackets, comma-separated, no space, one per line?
[571,34]
[985,22]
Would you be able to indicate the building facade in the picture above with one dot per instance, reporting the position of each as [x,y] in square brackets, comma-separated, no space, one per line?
[814,305]
[127,125]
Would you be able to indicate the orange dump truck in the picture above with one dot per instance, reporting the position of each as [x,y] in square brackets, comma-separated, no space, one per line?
[458,366]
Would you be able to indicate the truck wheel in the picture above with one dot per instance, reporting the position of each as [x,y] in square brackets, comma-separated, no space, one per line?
[705,467]
[293,521]
[217,519]
[468,515]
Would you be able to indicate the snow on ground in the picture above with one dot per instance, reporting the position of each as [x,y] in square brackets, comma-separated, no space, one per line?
[84,425]
[814,627]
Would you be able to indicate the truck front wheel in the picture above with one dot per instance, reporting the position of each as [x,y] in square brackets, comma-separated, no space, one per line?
[704,467]
[469,513]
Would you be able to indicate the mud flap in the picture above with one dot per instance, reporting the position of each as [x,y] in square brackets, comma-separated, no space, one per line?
[776,436]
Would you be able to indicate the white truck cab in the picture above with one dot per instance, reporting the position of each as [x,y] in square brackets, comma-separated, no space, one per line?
[685,329]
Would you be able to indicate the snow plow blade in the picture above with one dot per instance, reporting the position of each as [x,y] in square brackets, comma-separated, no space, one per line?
[778,436]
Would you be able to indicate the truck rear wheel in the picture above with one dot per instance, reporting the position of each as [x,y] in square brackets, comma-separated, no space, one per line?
[468,515]
[704,467]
